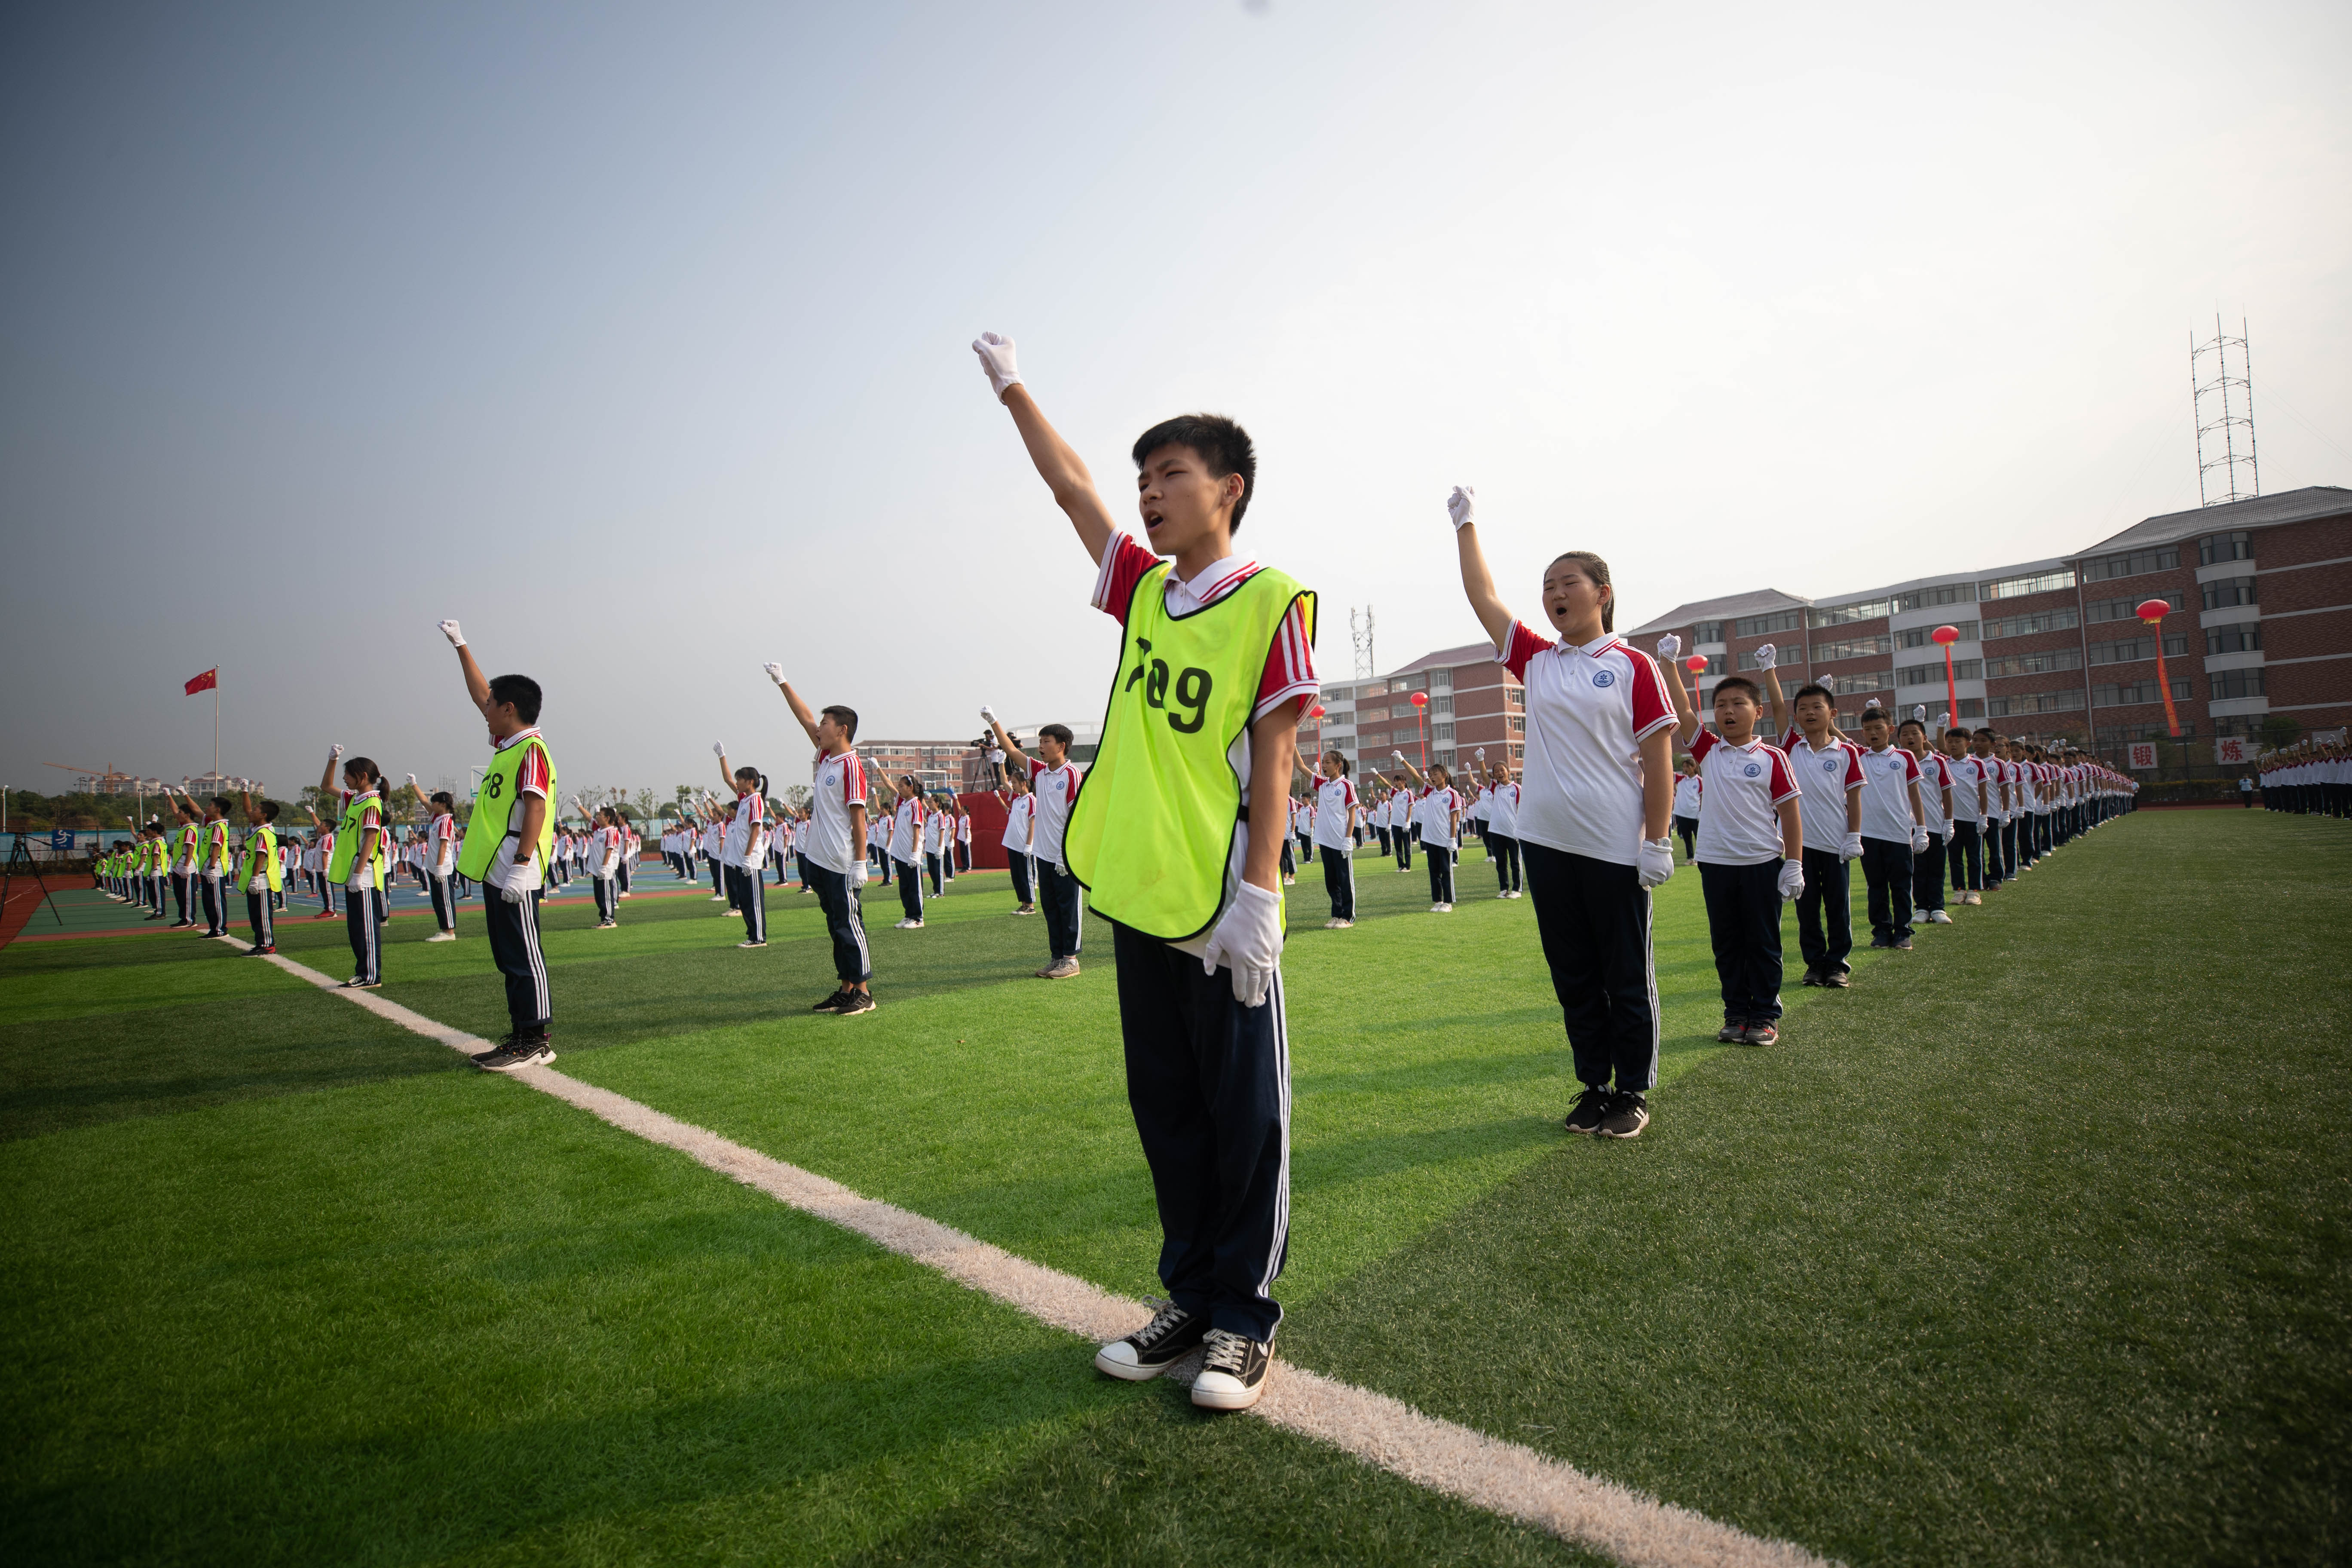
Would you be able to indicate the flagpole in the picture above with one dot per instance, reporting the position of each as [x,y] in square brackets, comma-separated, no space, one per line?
[217,727]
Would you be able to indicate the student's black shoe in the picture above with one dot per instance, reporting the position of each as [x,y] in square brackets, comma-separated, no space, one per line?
[1627,1115]
[1152,1349]
[1835,979]
[1760,1032]
[855,1002]
[1730,1034]
[517,1050]
[1813,977]
[1901,944]
[1233,1374]
[267,951]
[833,1003]
[1590,1106]
[1879,942]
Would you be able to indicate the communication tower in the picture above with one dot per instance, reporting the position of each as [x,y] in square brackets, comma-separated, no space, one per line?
[2221,388]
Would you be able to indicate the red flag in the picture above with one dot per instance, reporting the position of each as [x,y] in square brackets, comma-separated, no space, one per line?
[206,681]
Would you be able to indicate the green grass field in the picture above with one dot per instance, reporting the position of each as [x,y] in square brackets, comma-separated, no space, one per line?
[2030,1247]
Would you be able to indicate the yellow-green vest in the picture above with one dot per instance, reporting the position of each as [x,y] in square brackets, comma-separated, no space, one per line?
[262,843]
[1152,828]
[189,835]
[494,804]
[348,839]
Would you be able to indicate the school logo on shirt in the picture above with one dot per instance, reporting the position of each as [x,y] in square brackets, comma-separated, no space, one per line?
[1604,677]
[1753,770]
[1829,765]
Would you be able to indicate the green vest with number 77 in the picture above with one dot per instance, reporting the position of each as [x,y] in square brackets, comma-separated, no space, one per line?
[1152,828]
[494,807]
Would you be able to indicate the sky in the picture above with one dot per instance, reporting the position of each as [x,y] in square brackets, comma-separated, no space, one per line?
[636,338]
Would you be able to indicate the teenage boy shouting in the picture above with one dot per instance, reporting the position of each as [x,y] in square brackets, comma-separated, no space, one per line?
[506,850]
[1178,834]
[832,848]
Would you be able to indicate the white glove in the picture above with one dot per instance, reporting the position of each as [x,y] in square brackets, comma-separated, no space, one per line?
[1480,753]
[1669,646]
[775,672]
[1852,849]
[718,750]
[521,881]
[412,781]
[1766,654]
[996,358]
[1461,506]
[456,639]
[1397,755]
[1828,684]
[1918,840]
[1792,879]
[1943,721]
[987,714]
[858,874]
[1248,941]
[1656,863]
[335,750]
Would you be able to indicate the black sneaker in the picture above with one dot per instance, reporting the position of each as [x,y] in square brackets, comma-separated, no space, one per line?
[1835,979]
[855,1002]
[356,983]
[516,1051]
[1152,1349]
[1590,1108]
[1628,1114]
[1233,1374]
[1730,1034]
[833,1003]
[1901,944]
[1759,1033]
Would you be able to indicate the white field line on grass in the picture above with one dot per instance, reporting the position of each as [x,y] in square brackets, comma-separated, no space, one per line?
[1506,1478]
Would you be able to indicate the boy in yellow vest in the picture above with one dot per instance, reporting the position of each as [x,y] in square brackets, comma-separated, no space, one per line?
[1215,665]
[261,876]
[506,846]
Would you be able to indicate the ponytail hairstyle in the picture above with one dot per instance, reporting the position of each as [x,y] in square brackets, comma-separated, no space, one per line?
[1339,757]
[365,765]
[1597,570]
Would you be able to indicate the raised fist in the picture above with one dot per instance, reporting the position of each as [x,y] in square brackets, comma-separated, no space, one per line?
[1767,655]
[1462,507]
[1669,646]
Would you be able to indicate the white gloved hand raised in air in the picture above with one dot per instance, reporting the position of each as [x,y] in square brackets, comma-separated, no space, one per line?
[1397,755]
[775,672]
[1792,879]
[1920,712]
[987,714]
[1829,683]
[1462,507]
[718,750]
[1248,941]
[1481,753]
[1657,862]
[1767,655]
[996,358]
[1669,646]
[456,639]
[1852,849]
[336,751]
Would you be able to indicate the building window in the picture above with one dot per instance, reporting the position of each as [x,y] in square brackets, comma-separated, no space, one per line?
[1515,723]
[2060,620]
[2229,683]
[2123,694]
[1441,680]
[1846,615]
[1868,680]
[2042,663]
[2156,731]
[2237,545]
[1971,708]
[1400,686]
[2131,565]
[2128,609]
[1933,674]
[1441,732]
[2018,588]
[2024,703]
[1927,598]
[1441,705]
[1852,648]
[2246,636]
[1917,636]
[1764,625]
[2224,592]
[2124,652]
[1707,631]
[1514,696]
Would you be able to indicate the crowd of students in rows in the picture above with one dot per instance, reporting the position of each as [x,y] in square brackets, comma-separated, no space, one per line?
[2310,778]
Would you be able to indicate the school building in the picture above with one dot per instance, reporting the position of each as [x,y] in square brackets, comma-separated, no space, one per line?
[1468,701]
[2260,624]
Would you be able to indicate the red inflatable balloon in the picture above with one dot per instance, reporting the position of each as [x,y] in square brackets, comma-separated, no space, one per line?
[1421,699]
[1695,664]
[1316,711]
[1944,635]
[2153,610]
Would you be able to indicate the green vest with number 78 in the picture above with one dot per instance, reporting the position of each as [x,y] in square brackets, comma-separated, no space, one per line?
[494,807]
[1152,828]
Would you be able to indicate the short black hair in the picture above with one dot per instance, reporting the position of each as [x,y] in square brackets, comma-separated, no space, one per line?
[1874,712]
[1055,733]
[845,717]
[1740,683]
[222,802]
[268,809]
[520,690]
[1223,445]
[1812,689]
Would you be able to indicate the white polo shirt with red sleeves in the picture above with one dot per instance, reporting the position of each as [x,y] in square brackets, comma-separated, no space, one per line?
[1935,777]
[1886,780]
[1823,777]
[838,785]
[1745,787]
[1053,789]
[1335,803]
[1588,710]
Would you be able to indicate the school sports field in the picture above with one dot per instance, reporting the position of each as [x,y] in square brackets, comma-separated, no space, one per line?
[2030,1247]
